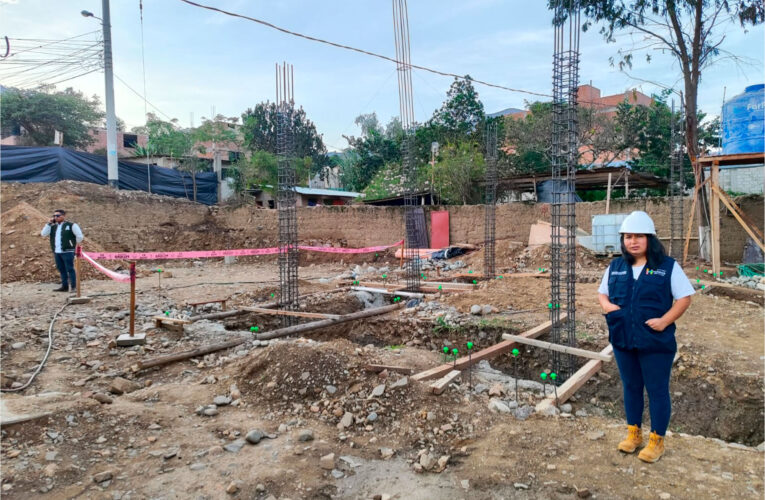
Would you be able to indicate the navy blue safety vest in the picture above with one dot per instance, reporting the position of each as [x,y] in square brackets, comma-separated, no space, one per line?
[650,296]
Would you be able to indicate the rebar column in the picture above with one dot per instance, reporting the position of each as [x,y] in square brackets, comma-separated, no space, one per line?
[676,188]
[490,223]
[286,197]
[563,206]
[406,109]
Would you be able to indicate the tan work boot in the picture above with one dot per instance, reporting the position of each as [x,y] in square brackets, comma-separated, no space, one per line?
[654,450]
[634,439]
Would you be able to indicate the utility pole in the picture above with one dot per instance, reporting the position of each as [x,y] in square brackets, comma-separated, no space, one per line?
[111,117]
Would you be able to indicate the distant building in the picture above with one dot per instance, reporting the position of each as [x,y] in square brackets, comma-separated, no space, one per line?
[126,142]
[307,197]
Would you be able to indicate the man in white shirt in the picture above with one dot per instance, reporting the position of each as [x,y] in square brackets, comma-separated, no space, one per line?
[64,237]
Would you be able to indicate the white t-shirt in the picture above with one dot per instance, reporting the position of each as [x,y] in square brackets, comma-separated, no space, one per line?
[681,285]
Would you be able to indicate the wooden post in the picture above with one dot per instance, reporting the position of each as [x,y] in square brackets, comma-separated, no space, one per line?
[714,209]
[626,183]
[77,255]
[132,298]
[402,254]
[536,198]
[608,194]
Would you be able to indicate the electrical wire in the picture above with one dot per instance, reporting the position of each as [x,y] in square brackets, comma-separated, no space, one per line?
[360,51]
[142,97]
[45,358]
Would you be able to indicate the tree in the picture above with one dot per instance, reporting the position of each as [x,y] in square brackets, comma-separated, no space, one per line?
[462,112]
[457,174]
[373,150]
[691,31]
[41,112]
[259,129]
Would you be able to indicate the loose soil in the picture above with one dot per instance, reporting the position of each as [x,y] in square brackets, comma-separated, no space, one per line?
[155,443]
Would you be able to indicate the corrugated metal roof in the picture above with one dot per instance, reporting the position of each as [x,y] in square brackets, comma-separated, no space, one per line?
[327,192]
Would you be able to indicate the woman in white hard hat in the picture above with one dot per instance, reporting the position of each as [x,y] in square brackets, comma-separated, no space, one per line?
[643,293]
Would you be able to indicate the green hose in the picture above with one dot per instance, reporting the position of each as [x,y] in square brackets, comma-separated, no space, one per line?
[751,270]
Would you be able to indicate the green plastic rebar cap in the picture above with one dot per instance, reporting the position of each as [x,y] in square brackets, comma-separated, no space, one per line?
[516,352]
[475,282]
[159,270]
[706,270]
[703,286]
[553,375]
[385,276]
[549,305]
[455,351]
[440,287]
[167,313]
[543,376]
[272,295]
[469,345]
[377,254]
[470,272]
[252,328]
[720,273]
[697,268]
[446,349]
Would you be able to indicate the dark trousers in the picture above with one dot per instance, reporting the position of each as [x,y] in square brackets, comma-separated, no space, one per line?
[65,265]
[650,371]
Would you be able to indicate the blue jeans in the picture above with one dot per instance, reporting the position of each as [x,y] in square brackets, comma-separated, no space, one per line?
[65,265]
[641,370]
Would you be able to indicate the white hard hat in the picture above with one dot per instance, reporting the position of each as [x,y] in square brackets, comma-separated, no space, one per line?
[638,222]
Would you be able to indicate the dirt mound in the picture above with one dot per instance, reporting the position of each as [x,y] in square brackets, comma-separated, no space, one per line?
[514,257]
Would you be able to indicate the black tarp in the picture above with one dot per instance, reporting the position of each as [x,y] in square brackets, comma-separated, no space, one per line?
[545,191]
[40,164]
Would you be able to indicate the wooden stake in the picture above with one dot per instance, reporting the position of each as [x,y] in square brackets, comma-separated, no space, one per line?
[608,194]
[77,254]
[401,264]
[132,298]
[690,226]
[731,206]
[714,209]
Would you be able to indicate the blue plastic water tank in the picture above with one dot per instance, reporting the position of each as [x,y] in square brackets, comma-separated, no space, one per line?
[743,122]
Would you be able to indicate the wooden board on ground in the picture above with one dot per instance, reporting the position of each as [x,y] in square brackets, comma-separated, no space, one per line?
[441,384]
[222,303]
[380,368]
[577,380]
[557,347]
[488,353]
[278,312]
[172,324]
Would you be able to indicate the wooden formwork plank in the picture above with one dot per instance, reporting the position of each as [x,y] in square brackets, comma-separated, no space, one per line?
[441,384]
[558,347]
[488,353]
[570,386]
[278,312]
[379,368]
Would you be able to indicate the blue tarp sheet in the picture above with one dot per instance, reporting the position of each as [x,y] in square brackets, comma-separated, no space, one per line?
[40,164]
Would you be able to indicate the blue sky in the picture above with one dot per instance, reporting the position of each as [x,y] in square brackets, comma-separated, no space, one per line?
[197,59]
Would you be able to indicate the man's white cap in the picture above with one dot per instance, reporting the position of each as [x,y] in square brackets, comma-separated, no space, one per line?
[638,222]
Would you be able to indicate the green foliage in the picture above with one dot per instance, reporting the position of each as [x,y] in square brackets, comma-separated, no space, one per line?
[260,171]
[457,174]
[43,111]
[375,148]
[259,129]
[461,115]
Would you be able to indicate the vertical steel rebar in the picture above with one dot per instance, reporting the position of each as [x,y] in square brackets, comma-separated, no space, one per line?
[406,110]
[286,196]
[563,207]
[490,223]
[676,188]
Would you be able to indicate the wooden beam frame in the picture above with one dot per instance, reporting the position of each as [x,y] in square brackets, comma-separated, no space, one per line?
[488,353]
[441,384]
[558,347]
[737,213]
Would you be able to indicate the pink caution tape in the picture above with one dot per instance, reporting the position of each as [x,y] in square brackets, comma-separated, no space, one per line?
[227,253]
[122,278]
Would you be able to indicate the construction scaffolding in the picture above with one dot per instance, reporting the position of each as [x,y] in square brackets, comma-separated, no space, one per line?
[676,189]
[563,207]
[490,223]
[286,196]
[406,107]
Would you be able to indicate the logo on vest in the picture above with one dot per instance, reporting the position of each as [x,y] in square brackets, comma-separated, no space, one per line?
[659,272]
[618,273]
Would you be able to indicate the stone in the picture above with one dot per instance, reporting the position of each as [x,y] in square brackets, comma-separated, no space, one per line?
[222,401]
[585,493]
[550,411]
[520,486]
[402,382]
[102,398]
[51,456]
[523,412]
[386,453]
[305,435]
[663,495]
[235,446]
[337,474]
[595,435]
[372,416]
[254,436]
[496,390]
[327,462]
[331,389]
[443,461]
[121,385]
[210,411]
[232,488]
[581,413]
[476,310]
[18,345]
[103,476]
[566,408]
[761,446]
[487,309]
[346,421]
[498,406]
[197,466]
[480,388]
[427,461]
[377,391]
[465,484]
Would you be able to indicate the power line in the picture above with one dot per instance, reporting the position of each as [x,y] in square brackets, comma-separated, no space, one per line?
[361,51]
[142,97]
